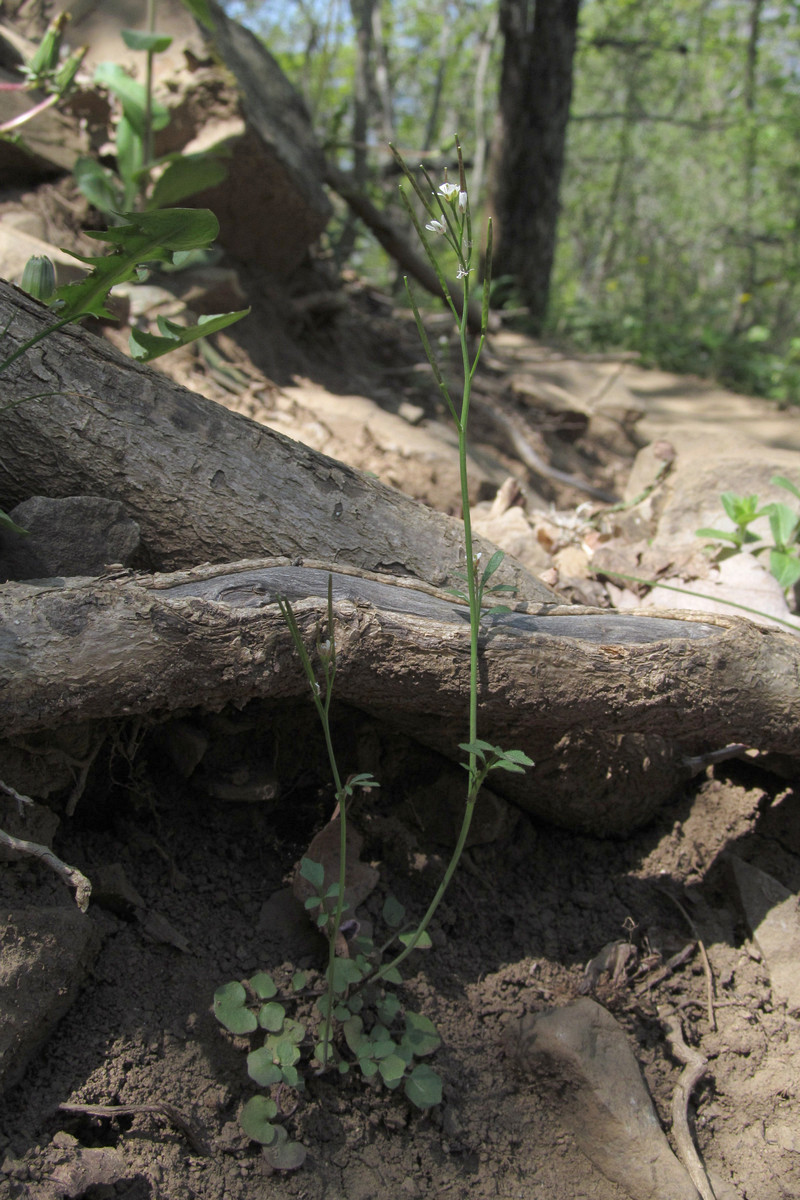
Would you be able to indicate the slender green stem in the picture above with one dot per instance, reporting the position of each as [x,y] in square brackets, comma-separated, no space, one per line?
[26,346]
[323,711]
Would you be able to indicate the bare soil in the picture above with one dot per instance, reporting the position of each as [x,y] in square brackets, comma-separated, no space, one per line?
[524,917]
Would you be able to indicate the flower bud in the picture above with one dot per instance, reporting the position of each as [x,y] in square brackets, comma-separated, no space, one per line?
[39,277]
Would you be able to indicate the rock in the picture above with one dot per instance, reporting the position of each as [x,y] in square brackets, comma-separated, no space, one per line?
[360,877]
[772,915]
[47,953]
[601,1097]
[74,535]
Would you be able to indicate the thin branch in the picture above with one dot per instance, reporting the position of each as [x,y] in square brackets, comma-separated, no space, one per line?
[160,1109]
[694,1070]
[15,795]
[71,875]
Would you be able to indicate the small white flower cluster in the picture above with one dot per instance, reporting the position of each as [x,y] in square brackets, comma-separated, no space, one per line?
[453,195]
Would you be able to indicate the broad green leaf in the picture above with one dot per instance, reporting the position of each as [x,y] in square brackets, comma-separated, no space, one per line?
[295,1031]
[299,980]
[421,1035]
[423,942]
[314,872]
[186,176]
[785,568]
[283,1154]
[345,972]
[263,985]
[231,1011]
[148,237]
[353,1030]
[139,39]
[392,1069]
[284,1050]
[518,756]
[388,1007]
[392,975]
[255,1119]
[271,1016]
[130,160]
[261,1069]
[393,912]
[740,509]
[7,523]
[782,481]
[423,1087]
[492,565]
[98,185]
[368,1067]
[783,525]
[131,95]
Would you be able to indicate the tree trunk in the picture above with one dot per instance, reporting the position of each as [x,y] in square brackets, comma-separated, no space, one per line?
[598,699]
[528,154]
[204,484]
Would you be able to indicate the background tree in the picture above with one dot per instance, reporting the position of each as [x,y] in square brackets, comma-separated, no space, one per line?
[530,134]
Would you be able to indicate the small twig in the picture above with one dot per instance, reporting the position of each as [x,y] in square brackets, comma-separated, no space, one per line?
[666,970]
[15,795]
[160,1109]
[71,875]
[694,1070]
[712,1019]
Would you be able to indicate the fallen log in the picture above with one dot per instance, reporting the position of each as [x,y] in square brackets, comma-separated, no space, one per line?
[205,484]
[607,704]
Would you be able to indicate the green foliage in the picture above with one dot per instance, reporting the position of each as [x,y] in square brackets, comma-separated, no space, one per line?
[678,237]
[784,522]
[157,183]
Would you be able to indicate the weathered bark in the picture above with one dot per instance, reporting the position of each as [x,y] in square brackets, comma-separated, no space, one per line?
[116,647]
[204,484]
[528,154]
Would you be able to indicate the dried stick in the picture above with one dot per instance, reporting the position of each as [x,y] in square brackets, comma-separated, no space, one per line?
[71,875]
[694,1070]
[15,795]
[159,1109]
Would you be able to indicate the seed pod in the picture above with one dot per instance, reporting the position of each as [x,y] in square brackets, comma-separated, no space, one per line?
[39,277]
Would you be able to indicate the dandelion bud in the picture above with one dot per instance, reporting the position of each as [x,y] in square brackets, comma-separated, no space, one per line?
[39,277]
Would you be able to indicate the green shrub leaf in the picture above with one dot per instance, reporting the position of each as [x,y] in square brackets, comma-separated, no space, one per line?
[230,1009]
[423,1087]
[255,1119]
[261,1069]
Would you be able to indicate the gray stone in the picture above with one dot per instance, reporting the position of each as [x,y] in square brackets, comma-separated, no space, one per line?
[45,954]
[601,1097]
[74,535]
[773,917]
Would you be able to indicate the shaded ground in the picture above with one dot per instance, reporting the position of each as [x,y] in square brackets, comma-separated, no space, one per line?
[524,917]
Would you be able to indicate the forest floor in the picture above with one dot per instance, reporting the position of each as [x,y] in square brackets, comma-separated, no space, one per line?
[530,908]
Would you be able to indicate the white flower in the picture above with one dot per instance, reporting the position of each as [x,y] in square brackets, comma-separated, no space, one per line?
[448,190]
[463,272]
[436,226]
[462,202]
